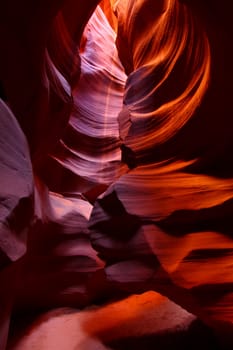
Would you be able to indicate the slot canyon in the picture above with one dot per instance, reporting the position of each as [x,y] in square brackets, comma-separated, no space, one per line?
[116,175]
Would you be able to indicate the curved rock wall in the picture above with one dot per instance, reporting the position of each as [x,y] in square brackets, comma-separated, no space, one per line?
[167,223]
[128,122]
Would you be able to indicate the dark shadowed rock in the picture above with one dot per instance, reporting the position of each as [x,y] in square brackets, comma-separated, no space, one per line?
[16,188]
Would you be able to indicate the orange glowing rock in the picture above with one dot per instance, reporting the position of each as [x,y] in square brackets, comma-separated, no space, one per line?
[166,225]
[127,110]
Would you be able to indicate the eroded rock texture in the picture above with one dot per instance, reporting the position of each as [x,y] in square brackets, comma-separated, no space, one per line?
[89,153]
[87,159]
[126,108]
[167,224]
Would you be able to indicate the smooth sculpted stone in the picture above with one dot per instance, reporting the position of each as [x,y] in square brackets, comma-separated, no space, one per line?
[43,39]
[167,224]
[60,268]
[146,321]
[16,210]
[89,155]
[16,188]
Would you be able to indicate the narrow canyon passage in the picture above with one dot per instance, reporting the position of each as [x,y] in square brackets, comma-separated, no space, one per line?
[116,173]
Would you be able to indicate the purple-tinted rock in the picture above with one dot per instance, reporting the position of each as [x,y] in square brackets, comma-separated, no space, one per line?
[16,187]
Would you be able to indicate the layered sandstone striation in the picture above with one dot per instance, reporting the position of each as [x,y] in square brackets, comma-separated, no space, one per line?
[116,155]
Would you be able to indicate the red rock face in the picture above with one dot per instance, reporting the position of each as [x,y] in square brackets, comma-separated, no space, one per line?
[166,225]
[128,122]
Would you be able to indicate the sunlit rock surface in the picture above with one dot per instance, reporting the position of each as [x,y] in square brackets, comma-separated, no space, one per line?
[88,158]
[153,238]
[89,153]
[167,223]
[147,321]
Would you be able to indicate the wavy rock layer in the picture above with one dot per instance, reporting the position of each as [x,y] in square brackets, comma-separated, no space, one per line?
[164,222]
[60,266]
[162,227]
[167,224]
[88,158]
[89,152]
[16,188]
